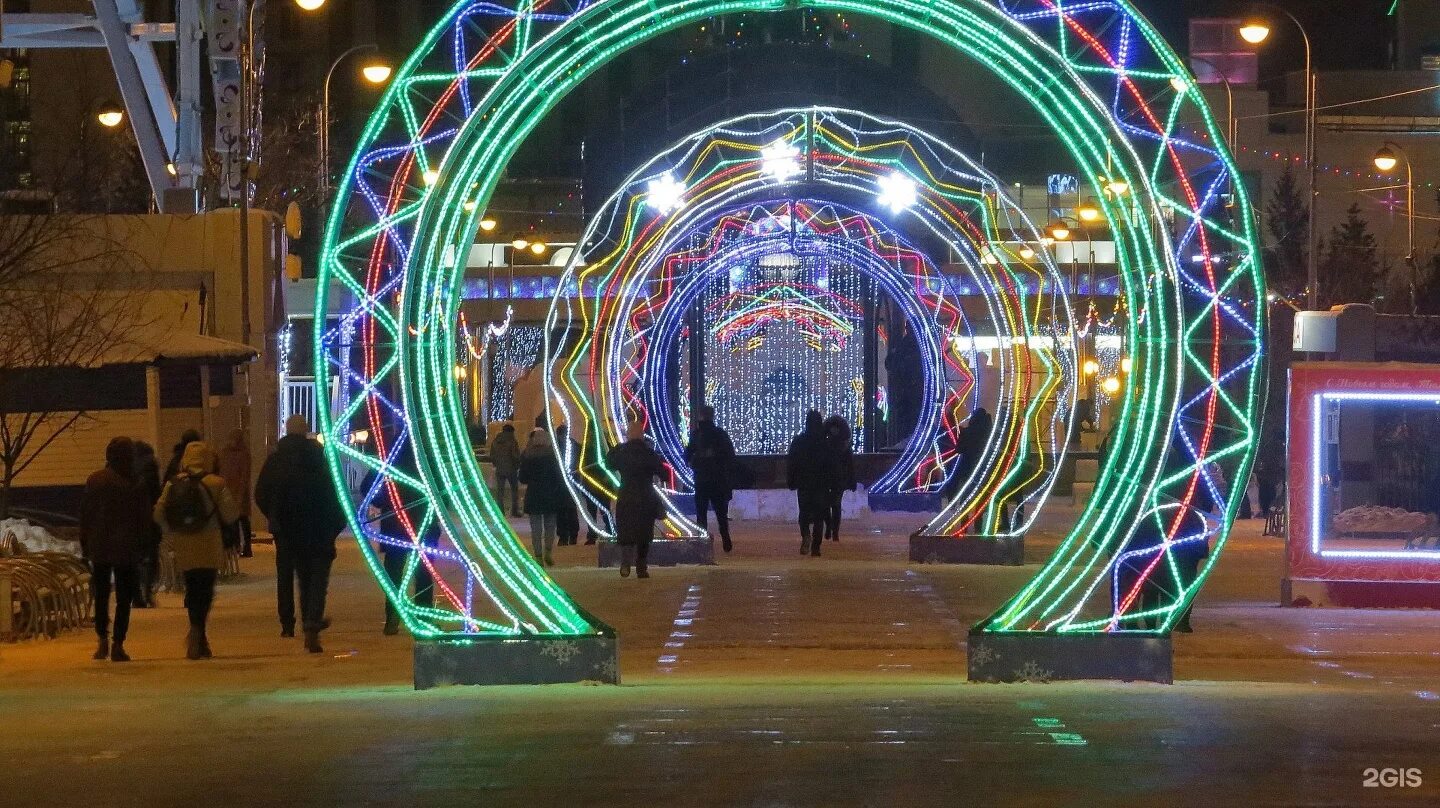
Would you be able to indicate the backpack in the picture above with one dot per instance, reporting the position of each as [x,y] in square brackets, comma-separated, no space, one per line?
[189,504]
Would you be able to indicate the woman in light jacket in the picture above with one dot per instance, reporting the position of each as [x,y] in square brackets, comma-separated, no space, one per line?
[200,552]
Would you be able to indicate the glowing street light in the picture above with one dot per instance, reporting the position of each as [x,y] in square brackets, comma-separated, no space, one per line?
[110,115]
[376,72]
[665,193]
[1091,367]
[897,192]
[520,243]
[1386,159]
[538,247]
[309,5]
[1059,231]
[1118,187]
[487,225]
[1255,32]
[1027,252]
[431,177]
[1111,386]
[1088,212]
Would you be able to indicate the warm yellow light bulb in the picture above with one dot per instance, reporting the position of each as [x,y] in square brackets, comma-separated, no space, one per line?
[1255,32]
[1091,367]
[1111,386]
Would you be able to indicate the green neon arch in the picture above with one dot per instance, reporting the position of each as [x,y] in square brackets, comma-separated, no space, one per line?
[1100,76]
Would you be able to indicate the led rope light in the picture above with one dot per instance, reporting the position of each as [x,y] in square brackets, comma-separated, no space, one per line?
[1098,73]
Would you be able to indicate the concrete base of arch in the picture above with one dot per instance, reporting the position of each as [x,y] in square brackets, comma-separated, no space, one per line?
[1026,657]
[664,553]
[517,661]
[1004,551]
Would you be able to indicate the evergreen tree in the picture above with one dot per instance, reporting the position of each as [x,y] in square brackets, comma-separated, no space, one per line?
[1350,262]
[1288,219]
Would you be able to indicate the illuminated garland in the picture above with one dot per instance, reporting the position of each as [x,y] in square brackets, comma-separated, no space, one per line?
[483,79]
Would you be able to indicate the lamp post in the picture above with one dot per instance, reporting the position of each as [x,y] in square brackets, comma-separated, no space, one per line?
[1386,160]
[376,73]
[1256,32]
[1060,229]
[1232,135]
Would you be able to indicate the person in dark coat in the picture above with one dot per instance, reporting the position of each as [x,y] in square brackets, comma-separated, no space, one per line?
[567,518]
[235,469]
[386,526]
[544,491]
[807,473]
[187,437]
[296,494]
[969,448]
[147,474]
[115,528]
[711,455]
[637,505]
[505,454]
[842,471]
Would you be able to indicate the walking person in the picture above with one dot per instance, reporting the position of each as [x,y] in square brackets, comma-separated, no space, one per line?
[295,493]
[387,528]
[711,455]
[842,472]
[147,475]
[114,531]
[196,511]
[540,472]
[172,468]
[235,468]
[969,447]
[637,505]
[808,475]
[505,454]
[567,518]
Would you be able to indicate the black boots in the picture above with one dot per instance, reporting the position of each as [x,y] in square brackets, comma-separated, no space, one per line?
[117,652]
[392,627]
[312,642]
[102,650]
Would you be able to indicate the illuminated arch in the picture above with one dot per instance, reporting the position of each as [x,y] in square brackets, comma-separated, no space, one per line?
[637,249]
[1098,73]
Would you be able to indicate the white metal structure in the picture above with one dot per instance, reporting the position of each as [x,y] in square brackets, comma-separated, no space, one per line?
[166,126]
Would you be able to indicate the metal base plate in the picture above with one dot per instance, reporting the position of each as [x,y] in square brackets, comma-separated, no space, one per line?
[667,553]
[1063,657]
[516,661]
[994,550]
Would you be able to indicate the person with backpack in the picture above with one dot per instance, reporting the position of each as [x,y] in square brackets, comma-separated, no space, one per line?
[505,454]
[197,514]
[295,493]
[544,490]
[711,454]
[807,473]
[637,505]
[114,531]
[842,472]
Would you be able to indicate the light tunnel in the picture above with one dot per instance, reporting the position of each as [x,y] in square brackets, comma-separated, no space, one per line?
[698,209]
[1121,101]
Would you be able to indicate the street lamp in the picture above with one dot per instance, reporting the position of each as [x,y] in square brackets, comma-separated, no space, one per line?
[1387,159]
[1181,85]
[1256,32]
[309,5]
[1059,230]
[375,71]
[1088,212]
[110,115]
[487,225]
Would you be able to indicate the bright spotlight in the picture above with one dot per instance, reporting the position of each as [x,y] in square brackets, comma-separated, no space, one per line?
[897,192]
[780,160]
[1111,386]
[665,193]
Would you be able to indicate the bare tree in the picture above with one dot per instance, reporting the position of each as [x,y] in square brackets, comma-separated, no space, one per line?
[70,298]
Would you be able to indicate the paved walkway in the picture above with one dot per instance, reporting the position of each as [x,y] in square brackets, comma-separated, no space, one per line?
[769,680]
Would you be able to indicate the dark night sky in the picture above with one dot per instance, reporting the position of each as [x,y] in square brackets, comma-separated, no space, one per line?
[1347,34]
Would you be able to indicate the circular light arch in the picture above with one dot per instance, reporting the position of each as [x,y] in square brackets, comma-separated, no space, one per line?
[1098,73]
